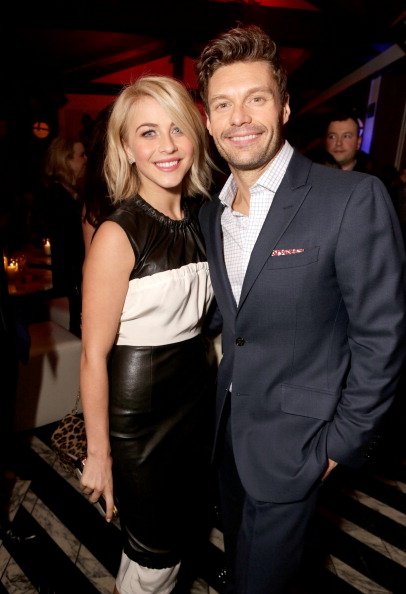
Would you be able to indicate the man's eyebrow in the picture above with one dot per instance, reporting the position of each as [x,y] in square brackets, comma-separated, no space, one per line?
[217,97]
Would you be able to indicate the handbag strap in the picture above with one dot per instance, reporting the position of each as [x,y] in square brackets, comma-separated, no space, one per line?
[76,405]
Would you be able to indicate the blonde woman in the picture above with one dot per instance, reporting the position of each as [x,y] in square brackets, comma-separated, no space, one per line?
[145,380]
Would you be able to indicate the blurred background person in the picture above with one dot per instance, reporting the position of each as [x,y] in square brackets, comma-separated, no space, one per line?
[14,347]
[65,164]
[9,377]
[398,192]
[343,142]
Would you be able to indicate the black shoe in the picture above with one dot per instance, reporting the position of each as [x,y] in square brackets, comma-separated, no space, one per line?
[16,536]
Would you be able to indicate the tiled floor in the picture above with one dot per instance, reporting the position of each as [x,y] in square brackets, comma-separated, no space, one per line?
[359,544]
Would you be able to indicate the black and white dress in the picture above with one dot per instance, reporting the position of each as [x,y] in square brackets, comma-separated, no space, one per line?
[160,386]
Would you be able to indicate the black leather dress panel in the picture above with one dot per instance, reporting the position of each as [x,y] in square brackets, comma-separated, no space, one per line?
[160,440]
[160,243]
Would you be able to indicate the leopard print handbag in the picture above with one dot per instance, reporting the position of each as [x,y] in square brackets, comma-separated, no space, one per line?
[69,439]
[70,444]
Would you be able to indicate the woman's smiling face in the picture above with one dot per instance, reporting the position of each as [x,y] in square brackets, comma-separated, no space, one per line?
[162,153]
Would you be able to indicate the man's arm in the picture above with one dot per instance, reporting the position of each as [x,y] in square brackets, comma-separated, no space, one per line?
[370,266]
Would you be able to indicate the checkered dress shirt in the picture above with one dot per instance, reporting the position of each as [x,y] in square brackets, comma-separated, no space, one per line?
[240,232]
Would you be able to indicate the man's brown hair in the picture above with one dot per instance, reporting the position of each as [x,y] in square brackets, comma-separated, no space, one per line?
[240,44]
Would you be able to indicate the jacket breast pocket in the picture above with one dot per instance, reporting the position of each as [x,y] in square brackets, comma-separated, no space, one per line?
[308,256]
[306,402]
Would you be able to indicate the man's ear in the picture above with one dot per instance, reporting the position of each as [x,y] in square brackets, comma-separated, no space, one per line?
[286,111]
[208,125]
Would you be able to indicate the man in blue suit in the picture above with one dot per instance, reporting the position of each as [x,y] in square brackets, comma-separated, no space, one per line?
[307,264]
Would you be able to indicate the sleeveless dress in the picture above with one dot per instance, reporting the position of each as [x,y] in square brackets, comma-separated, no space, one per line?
[161,387]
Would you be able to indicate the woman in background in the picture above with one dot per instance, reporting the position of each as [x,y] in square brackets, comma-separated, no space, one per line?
[145,378]
[65,164]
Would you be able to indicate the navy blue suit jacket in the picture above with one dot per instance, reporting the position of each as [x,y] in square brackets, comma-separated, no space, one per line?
[315,346]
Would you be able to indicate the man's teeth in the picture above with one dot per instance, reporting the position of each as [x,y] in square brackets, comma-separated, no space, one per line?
[243,138]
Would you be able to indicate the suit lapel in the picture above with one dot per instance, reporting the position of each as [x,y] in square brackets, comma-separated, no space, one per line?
[218,271]
[288,199]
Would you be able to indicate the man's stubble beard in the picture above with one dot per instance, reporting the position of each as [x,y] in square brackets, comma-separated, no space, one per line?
[256,161]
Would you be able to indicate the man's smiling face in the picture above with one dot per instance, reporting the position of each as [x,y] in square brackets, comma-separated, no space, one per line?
[246,116]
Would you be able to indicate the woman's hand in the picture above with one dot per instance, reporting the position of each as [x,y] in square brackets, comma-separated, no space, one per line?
[97,481]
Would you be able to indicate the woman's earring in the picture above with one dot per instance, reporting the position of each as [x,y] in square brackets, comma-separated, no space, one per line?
[131,160]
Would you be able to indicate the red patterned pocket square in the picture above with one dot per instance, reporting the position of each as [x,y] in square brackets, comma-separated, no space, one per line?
[287,252]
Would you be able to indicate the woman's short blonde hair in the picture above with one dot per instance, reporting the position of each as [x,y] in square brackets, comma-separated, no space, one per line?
[122,177]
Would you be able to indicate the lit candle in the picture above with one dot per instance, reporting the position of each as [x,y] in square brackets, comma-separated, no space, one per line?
[12,270]
[47,247]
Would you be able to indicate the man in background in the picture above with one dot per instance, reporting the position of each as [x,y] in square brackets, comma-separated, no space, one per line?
[343,142]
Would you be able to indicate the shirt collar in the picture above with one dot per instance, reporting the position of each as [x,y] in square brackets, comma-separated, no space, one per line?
[269,180]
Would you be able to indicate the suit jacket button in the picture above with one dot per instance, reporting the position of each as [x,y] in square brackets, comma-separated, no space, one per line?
[240,341]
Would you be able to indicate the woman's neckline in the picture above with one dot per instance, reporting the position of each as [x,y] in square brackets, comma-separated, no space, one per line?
[162,217]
